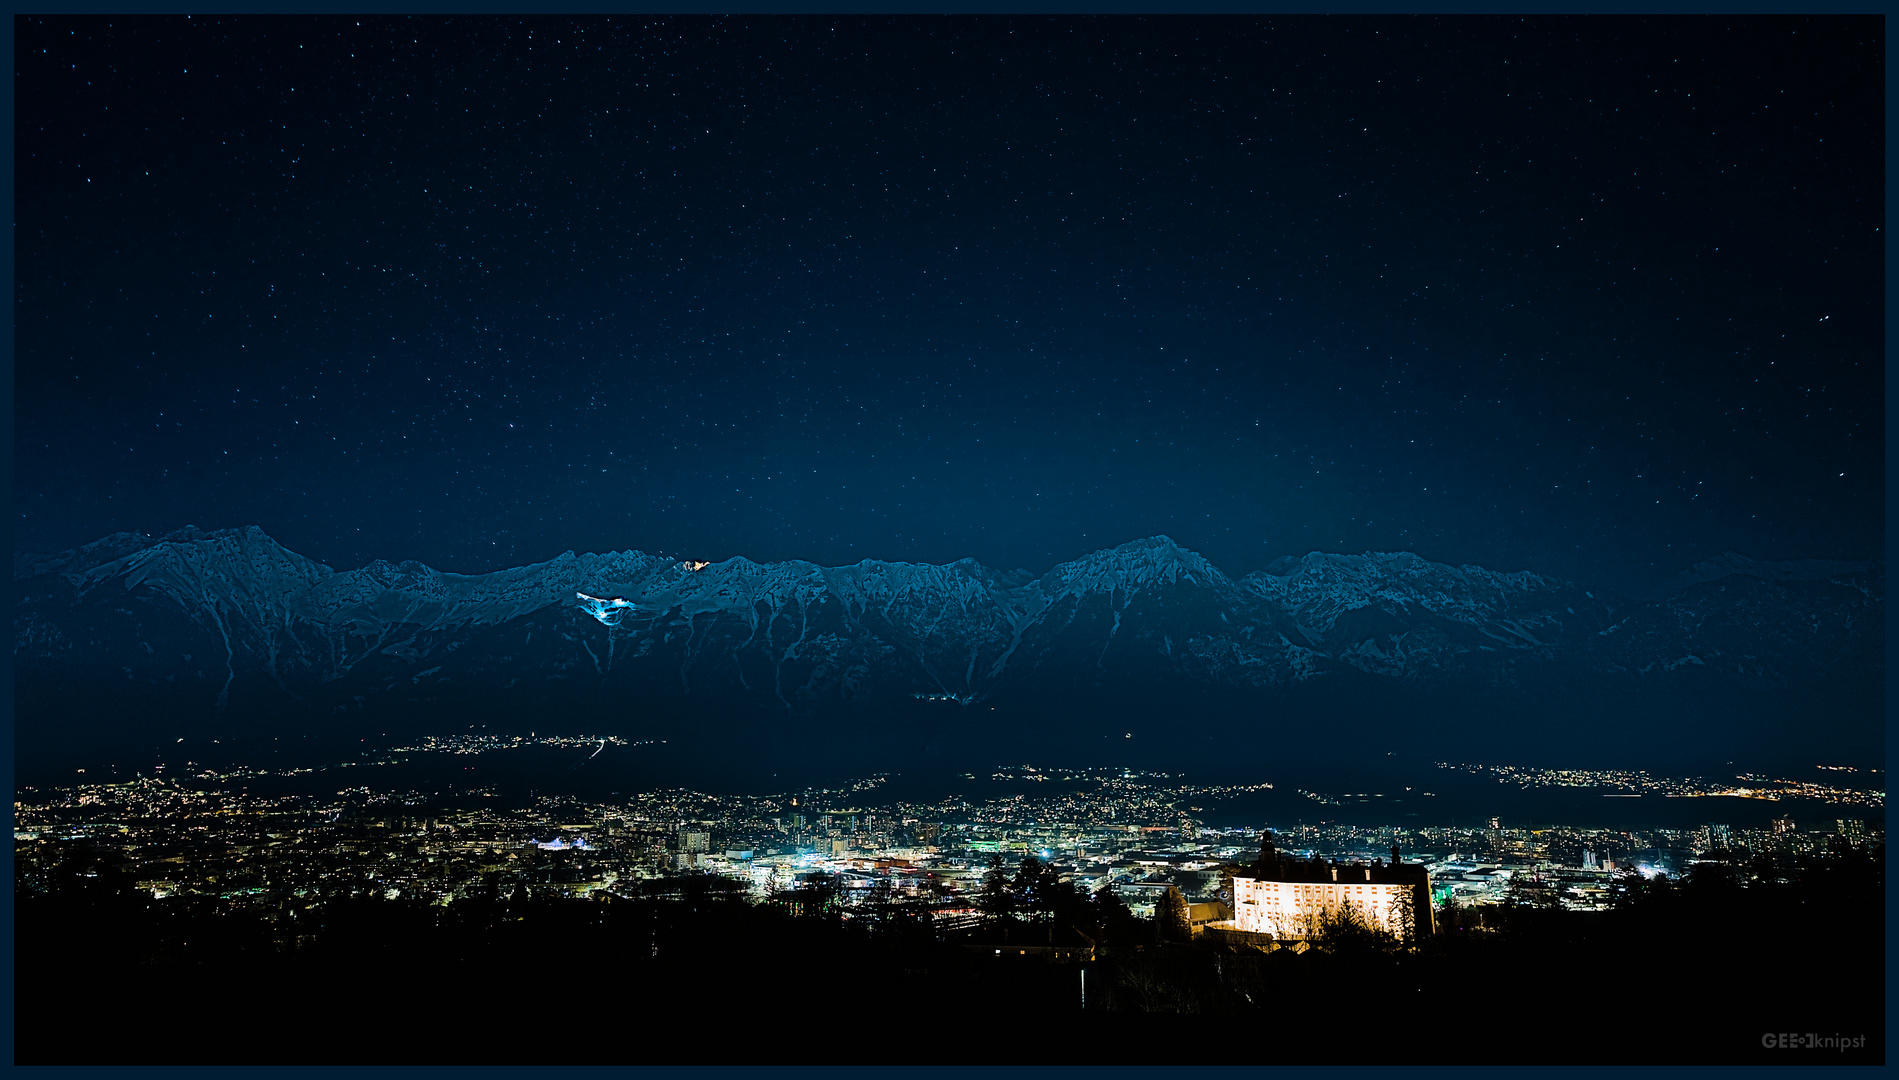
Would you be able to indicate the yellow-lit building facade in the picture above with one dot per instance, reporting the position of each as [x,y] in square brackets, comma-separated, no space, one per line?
[1294,909]
[1291,898]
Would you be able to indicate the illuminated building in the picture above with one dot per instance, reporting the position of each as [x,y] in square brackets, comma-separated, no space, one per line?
[1291,898]
[1200,916]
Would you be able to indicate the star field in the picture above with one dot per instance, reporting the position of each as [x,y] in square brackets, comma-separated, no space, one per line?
[1586,296]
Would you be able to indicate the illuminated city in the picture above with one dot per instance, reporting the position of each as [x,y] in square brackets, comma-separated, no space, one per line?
[201,833]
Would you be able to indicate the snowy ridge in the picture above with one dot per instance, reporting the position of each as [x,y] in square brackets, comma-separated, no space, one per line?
[1324,587]
[793,633]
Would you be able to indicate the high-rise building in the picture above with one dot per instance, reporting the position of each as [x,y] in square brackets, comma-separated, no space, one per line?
[1783,826]
[693,841]
[1852,830]
[1721,837]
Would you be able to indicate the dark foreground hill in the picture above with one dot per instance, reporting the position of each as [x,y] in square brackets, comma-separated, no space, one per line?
[1714,970]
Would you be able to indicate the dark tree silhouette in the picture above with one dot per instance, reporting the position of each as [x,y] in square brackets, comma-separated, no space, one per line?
[1346,930]
[1404,922]
[1114,922]
[1028,887]
[1171,921]
[995,901]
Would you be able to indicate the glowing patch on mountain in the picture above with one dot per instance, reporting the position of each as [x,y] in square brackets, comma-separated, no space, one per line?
[608,609]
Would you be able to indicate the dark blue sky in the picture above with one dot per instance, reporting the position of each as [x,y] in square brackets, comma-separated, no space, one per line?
[1600,297]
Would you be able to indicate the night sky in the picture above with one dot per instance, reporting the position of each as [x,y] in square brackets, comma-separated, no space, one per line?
[1597,297]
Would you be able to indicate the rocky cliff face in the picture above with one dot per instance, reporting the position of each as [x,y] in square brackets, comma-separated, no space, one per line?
[230,619]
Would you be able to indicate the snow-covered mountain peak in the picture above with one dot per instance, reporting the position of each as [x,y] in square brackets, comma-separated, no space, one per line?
[234,561]
[1321,588]
[1131,566]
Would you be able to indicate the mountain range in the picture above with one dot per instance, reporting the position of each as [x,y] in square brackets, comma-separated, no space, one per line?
[231,624]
